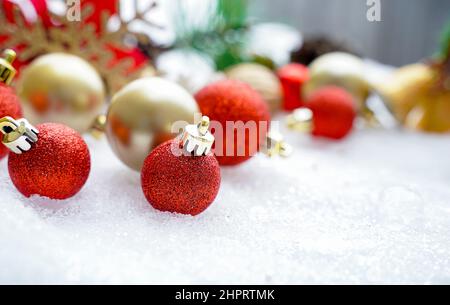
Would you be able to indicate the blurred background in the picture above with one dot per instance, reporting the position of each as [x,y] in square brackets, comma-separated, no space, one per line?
[409,30]
[398,50]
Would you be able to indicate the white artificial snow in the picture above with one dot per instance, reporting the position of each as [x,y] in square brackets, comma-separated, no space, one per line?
[374,208]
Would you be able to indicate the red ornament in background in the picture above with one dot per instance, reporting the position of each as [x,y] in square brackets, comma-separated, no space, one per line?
[9,106]
[139,59]
[110,7]
[182,183]
[333,111]
[9,101]
[292,78]
[57,165]
[234,101]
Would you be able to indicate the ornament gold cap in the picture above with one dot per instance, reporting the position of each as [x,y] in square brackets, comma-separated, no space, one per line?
[98,127]
[197,139]
[7,71]
[18,135]
[301,120]
[275,145]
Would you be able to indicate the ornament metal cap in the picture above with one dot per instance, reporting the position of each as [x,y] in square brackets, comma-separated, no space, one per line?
[300,120]
[275,145]
[197,139]
[18,135]
[98,127]
[7,71]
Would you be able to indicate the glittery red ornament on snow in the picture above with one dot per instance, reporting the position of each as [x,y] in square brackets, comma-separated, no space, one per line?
[182,183]
[331,112]
[9,102]
[292,78]
[234,101]
[53,163]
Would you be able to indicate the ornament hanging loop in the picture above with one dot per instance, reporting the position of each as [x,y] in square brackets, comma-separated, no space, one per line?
[7,71]
[18,135]
[197,139]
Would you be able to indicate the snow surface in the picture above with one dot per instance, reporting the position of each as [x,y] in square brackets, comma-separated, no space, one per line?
[374,208]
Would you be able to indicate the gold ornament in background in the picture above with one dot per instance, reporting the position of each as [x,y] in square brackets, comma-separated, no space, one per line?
[343,70]
[399,91]
[262,79]
[61,88]
[141,115]
[80,39]
[415,98]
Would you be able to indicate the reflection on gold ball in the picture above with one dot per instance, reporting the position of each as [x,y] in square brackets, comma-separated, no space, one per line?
[339,69]
[61,88]
[141,116]
[262,79]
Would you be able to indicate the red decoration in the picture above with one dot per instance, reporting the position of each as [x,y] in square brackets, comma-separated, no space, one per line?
[9,106]
[101,7]
[57,166]
[110,7]
[292,78]
[183,184]
[333,112]
[40,7]
[234,101]
[139,59]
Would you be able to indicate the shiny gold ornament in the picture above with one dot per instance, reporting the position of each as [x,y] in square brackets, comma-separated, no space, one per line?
[339,69]
[415,98]
[400,90]
[61,88]
[262,79]
[432,113]
[141,116]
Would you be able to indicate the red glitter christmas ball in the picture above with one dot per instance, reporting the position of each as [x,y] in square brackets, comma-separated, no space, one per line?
[9,106]
[57,166]
[292,78]
[333,112]
[180,184]
[235,102]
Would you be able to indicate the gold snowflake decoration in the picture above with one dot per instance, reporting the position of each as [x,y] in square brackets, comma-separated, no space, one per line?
[81,39]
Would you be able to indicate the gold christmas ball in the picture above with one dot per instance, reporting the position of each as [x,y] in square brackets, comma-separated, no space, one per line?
[432,113]
[339,69]
[61,88]
[141,115]
[415,98]
[262,79]
[401,90]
